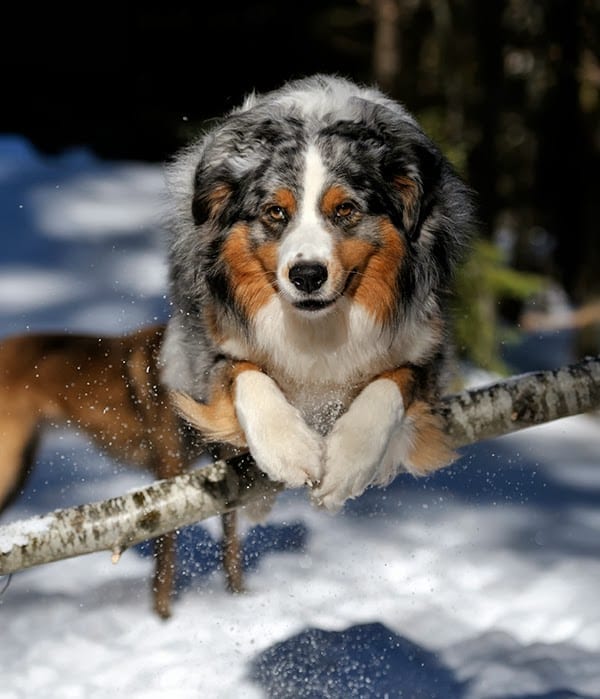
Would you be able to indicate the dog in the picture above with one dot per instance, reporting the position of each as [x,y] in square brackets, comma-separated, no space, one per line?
[314,234]
[111,389]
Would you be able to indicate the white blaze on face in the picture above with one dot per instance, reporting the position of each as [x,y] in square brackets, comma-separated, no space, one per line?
[307,240]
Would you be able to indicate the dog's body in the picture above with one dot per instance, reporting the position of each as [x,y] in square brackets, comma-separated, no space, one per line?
[109,388]
[315,233]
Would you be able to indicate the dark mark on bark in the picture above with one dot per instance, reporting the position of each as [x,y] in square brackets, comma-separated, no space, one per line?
[149,521]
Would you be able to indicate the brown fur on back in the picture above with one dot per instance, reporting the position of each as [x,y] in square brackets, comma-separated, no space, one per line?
[107,386]
[110,388]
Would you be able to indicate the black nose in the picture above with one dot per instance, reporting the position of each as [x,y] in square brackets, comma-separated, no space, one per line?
[308,276]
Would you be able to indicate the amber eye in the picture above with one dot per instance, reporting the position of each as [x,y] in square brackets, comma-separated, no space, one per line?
[277,214]
[345,209]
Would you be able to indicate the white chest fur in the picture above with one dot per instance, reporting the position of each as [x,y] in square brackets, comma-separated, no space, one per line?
[322,362]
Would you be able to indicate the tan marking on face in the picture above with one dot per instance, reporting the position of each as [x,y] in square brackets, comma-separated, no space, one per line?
[374,285]
[332,198]
[284,198]
[352,254]
[251,281]
[267,255]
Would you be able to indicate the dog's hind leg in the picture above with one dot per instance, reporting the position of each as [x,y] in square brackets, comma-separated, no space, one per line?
[165,553]
[165,546]
[232,553]
[161,451]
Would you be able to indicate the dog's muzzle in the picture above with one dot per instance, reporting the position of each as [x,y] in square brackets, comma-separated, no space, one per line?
[308,278]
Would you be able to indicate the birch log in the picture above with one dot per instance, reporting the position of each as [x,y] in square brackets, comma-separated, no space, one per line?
[113,525]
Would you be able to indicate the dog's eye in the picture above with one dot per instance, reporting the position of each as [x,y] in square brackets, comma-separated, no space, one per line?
[345,210]
[277,214]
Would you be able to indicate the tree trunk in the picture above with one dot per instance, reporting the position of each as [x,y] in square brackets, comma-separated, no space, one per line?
[386,51]
[113,525]
[483,160]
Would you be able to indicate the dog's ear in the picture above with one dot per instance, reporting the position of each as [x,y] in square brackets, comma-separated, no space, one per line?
[411,193]
[417,190]
[210,197]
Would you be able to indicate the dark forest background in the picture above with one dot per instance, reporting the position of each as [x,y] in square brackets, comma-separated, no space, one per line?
[509,88]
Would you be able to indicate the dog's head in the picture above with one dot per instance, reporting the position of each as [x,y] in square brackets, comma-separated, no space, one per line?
[317,192]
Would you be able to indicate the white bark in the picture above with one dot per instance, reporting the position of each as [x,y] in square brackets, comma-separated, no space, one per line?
[113,525]
[521,401]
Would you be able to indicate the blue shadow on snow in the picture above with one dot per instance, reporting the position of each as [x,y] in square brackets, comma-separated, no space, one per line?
[363,661]
[199,553]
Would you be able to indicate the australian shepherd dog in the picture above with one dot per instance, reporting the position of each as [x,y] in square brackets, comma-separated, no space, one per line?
[315,233]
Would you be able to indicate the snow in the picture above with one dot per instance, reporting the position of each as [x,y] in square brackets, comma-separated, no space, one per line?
[480,582]
[17,533]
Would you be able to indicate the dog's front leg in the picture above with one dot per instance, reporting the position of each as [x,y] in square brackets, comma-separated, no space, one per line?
[282,444]
[358,442]
[247,408]
[383,431]
[163,582]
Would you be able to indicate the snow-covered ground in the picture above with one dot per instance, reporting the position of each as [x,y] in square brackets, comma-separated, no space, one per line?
[480,582]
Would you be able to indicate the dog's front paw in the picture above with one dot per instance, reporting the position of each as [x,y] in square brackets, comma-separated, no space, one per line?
[349,468]
[281,443]
[286,449]
[357,444]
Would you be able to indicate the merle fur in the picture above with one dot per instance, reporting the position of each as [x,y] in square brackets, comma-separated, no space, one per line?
[366,140]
